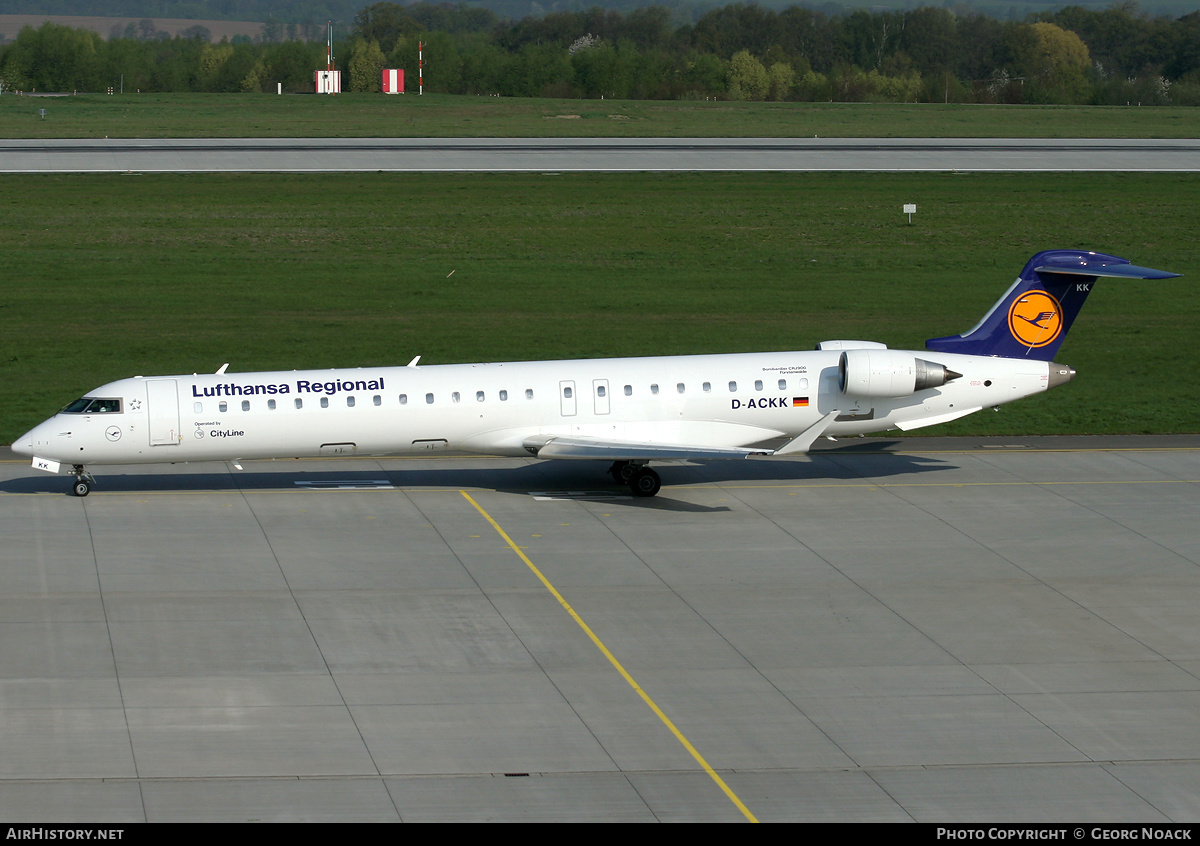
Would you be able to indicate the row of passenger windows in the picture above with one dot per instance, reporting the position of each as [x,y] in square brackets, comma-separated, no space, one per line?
[681,387]
[223,405]
[480,396]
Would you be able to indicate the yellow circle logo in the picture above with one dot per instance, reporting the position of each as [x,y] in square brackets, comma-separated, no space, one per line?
[1035,319]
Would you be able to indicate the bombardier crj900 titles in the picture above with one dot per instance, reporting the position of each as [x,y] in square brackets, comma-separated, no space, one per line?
[627,411]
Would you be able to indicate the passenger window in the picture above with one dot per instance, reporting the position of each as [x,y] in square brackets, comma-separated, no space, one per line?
[529,393]
[404,399]
[479,396]
[377,400]
[567,393]
[783,384]
[223,406]
[732,387]
[680,388]
[707,387]
[198,407]
[629,390]
[349,402]
[299,403]
[504,396]
[600,390]
[654,389]
[324,402]
[455,397]
[429,399]
[758,384]
[245,405]
[271,404]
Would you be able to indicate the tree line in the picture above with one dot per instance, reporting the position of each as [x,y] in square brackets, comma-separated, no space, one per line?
[930,54]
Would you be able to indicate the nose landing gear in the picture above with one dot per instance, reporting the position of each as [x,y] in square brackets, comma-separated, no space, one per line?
[83,481]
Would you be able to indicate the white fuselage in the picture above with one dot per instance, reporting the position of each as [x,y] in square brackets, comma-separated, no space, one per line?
[711,400]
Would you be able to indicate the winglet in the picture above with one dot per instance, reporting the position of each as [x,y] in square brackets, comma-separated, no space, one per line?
[221,369]
[804,441]
[413,363]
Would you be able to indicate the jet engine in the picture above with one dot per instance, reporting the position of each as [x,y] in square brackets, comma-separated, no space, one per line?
[888,373]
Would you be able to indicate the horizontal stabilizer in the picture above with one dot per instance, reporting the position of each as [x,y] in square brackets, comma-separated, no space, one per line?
[1114,271]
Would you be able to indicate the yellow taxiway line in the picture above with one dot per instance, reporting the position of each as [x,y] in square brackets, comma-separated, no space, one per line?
[616,664]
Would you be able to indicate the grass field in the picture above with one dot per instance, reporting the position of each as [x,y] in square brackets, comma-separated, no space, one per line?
[103,277]
[375,115]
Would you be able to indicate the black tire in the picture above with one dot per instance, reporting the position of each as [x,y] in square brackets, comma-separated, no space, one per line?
[645,482]
[82,487]
[623,475]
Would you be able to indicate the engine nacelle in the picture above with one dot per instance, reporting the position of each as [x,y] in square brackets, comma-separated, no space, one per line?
[888,373]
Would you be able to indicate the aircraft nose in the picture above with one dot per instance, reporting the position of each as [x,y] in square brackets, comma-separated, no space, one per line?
[24,444]
[35,441]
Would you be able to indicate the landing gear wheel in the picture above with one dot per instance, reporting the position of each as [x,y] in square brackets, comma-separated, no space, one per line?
[83,481]
[622,472]
[645,482]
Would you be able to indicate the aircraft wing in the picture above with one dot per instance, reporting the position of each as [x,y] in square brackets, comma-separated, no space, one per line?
[559,447]
[553,446]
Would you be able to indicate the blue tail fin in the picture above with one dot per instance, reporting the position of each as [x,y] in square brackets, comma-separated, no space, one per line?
[1033,317]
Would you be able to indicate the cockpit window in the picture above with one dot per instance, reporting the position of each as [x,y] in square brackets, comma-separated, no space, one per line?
[90,405]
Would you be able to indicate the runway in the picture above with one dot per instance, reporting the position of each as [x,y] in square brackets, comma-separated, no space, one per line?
[939,630]
[293,155]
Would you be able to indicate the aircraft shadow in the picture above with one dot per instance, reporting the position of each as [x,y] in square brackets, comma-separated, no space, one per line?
[553,479]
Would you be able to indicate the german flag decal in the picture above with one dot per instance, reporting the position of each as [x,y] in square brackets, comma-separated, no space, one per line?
[799,402]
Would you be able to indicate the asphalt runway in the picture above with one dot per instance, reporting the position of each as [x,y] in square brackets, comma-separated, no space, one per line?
[190,155]
[941,630]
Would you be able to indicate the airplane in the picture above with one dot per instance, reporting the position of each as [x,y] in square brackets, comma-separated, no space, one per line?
[626,411]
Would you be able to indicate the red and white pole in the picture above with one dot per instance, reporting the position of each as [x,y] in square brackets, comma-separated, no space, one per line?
[420,68]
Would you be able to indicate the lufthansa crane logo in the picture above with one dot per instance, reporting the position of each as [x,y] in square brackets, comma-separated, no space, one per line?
[1035,319]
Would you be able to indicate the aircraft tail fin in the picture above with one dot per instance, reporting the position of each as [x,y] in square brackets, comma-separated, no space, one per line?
[1033,317]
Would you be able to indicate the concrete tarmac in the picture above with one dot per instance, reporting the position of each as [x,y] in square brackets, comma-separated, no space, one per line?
[940,630]
[292,155]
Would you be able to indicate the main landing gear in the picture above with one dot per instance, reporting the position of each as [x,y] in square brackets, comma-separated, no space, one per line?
[83,481]
[642,481]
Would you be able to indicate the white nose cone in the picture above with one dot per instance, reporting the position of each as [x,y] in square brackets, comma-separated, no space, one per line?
[24,444]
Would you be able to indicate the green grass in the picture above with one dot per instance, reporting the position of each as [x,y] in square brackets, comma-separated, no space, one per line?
[376,115]
[108,276]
